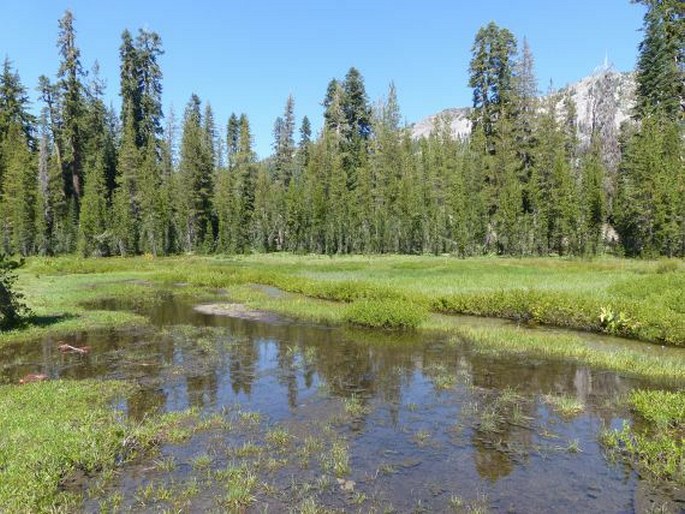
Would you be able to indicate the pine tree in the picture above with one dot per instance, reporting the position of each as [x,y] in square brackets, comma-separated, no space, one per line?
[44,208]
[125,203]
[153,218]
[14,103]
[592,201]
[525,108]
[305,140]
[232,139]
[650,213]
[141,85]
[226,210]
[284,144]
[197,173]
[661,61]
[18,200]
[491,77]
[93,226]
[70,76]
[100,168]
[245,181]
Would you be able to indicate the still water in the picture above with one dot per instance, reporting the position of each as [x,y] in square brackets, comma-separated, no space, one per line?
[315,418]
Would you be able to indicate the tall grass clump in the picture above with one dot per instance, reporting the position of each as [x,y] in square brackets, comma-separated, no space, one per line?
[388,313]
[655,442]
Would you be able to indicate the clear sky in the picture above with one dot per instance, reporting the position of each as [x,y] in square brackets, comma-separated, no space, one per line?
[248,55]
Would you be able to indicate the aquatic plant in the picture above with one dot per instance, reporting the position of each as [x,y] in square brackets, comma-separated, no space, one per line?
[656,447]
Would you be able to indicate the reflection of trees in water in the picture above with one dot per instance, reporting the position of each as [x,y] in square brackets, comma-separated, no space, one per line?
[355,364]
[243,366]
[287,371]
[146,402]
[491,464]
[202,390]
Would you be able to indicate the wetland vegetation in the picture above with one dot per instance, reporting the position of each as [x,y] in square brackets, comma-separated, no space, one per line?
[279,396]
[365,321]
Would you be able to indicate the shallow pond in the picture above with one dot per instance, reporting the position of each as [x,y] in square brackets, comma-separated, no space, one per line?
[298,417]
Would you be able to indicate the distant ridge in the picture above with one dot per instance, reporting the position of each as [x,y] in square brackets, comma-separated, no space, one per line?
[605,90]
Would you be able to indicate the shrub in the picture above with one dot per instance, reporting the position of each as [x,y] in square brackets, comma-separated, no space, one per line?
[12,306]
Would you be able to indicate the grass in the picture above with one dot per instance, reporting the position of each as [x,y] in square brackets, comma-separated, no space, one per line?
[638,299]
[54,432]
[58,435]
[655,442]
[565,406]
[386,313]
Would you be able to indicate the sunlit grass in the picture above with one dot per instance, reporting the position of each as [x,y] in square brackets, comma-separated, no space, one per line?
[565,406]
[655,443]
[53,430]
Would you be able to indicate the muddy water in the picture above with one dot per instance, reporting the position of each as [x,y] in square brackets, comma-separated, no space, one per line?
[306,417]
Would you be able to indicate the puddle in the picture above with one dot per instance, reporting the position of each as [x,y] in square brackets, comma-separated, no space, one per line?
[301,416]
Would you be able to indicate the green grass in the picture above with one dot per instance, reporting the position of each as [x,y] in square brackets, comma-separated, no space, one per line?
[637,299]
[386,313]
[51,431]
[59,432]
[655,443]
[43,444]
[565,406]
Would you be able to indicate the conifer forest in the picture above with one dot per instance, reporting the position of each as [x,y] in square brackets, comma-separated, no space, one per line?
[478,311]
[77,176]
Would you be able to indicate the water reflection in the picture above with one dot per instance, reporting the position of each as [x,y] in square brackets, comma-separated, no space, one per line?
[422,405]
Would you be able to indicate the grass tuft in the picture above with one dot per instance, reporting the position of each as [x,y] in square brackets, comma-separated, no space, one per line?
[655,442]
[386,314]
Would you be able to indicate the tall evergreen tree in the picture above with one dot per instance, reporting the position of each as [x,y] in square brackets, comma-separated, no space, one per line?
[70,76]
[196,171]
[14,103]
[125,203]
[491,75]
[661,60]
[284,144]
[18,198]
[232,140]
[245,182]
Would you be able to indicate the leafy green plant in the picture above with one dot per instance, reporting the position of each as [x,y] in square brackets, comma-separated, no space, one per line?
[616,322]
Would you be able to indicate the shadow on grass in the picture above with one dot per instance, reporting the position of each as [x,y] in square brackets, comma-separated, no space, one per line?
[46,321]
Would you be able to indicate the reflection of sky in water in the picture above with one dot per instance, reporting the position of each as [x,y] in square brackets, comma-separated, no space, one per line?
[298,374]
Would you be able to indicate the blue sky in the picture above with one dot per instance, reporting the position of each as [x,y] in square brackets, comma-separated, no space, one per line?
[248,55]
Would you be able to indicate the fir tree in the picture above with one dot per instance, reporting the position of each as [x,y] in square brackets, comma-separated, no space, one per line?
[491,73]
[18,199]
[197,172]
[661,60]
[14,103]
[70,76]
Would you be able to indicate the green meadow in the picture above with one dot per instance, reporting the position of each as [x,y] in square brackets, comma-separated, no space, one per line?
[643,300]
